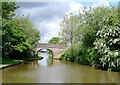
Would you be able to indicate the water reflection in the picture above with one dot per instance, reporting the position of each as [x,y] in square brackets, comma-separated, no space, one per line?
[47,71]
[47,59]
[32,65]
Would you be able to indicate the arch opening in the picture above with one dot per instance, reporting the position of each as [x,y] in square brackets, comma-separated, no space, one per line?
[47,55]
[49,51]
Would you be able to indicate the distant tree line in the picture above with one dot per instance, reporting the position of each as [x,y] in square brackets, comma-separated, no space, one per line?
[54,40]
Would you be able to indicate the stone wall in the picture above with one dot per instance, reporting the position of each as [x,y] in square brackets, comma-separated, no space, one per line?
[55,48]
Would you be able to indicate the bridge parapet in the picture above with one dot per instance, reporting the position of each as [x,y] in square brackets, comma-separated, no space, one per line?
[46,45]
[55,48]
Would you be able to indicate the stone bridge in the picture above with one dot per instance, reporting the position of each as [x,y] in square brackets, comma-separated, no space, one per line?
[55,48]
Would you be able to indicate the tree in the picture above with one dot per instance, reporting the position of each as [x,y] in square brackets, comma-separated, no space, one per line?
[31,33]
[99,32]
[0,29]
[108,40]
[0,24]
[7,14]
[19,35]
[54,40]
[68,29]
[8,9]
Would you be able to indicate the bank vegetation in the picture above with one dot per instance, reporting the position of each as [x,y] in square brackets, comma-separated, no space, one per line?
[93,37]
[19,35]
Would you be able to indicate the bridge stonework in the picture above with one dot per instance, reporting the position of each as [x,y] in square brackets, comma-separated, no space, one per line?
[55,48]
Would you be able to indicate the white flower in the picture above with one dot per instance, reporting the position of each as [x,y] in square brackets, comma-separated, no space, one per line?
[110,39]
[115,40]
[104,34]
[109,59]
[94,43]
[105,51]
[110,43]
[110,53]
[113,64]
[102,30]
[95,47]
[104,45]
[98,32]
[110,30]
[114,31]
[116,53]
[100,35]
[101,44]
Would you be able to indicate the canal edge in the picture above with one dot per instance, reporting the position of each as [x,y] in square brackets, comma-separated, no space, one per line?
[17,63]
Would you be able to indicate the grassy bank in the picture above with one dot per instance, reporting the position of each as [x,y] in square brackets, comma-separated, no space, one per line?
[5,61]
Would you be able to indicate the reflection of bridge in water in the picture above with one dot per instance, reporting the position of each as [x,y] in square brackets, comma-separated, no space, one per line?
[55,48]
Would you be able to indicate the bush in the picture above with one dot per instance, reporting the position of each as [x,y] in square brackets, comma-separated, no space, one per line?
[99,32]
[71,53]
[94,57]
[83,56]
[107,43]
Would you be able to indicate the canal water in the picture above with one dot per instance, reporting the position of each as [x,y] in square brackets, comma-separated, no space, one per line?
[49,70]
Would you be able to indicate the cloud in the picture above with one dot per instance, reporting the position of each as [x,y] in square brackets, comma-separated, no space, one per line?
[32,4]
[101,3]
[48,15]
[50,29]
[46,11]
[75,7]
[63,0]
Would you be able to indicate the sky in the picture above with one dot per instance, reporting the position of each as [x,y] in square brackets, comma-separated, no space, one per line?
[47,15]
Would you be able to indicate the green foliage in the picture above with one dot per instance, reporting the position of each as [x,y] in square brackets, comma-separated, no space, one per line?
[19,35]
[50,52]
[62,56]
[71,52]
[94,57]
[13,37]
[68,29]
[6,61]
[81,54]
[108,41]
[86,56]
[88,34]
[98,31]
[54,40]
[0,24]
[8,9]
[31,33]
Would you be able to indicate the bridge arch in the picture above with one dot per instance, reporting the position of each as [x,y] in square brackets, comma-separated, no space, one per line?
[55,48]
[46,49]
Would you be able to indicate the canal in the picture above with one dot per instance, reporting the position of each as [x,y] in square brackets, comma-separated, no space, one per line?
[49,70]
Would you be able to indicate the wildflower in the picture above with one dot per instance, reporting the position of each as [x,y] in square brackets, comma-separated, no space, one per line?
[101,44]
[98,32]
[110,30]
[95,47]
[105,51]
[116,53]
[115,40]
[113,64]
